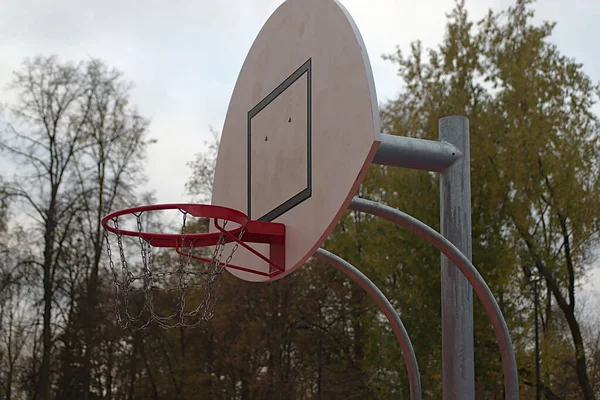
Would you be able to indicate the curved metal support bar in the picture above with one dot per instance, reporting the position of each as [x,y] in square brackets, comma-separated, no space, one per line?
[386,307]
[509,364]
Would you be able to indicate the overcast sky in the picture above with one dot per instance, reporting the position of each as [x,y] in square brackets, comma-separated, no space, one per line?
[184,55]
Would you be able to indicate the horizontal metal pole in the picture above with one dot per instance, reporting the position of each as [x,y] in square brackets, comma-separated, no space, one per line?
[407,152]
[509,363]
[414,378]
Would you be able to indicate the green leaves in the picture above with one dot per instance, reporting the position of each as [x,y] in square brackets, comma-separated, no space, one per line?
[534,148]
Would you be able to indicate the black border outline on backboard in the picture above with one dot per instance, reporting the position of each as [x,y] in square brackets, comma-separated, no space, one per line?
[307,192]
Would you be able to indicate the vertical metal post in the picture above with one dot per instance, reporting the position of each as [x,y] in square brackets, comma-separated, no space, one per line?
[458,371]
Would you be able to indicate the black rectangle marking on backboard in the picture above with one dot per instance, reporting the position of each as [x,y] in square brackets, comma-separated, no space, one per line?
[306,193]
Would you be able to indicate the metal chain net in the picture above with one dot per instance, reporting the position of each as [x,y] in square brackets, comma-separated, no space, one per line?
[143,292]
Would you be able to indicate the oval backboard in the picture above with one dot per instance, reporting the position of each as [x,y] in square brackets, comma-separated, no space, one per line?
[301,129]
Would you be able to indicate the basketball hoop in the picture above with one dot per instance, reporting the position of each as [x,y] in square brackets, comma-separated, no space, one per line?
[197,269]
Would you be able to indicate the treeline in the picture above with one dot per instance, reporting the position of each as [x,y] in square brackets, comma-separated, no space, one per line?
[535,154]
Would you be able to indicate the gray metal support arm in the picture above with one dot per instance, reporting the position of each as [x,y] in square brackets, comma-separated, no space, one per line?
[509,364]
[386,307]
[421,154]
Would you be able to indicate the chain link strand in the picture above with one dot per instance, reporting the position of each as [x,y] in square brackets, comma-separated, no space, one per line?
[189,278]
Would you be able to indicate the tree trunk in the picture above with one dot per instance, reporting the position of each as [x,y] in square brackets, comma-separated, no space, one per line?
[9,376]
[357,326]
[277,341]
[138,336]
[567,308]
[90,319]
[44,372]
[109,367]
[133,367]
[568,311]
[11,363]
[581,364]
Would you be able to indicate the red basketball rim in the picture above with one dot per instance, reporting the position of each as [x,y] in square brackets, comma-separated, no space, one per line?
[192,239]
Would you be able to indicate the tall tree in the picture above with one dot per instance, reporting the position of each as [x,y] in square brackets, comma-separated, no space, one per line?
[535,150]
[79,144]
[108,172]
[15,314]
[53,107]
